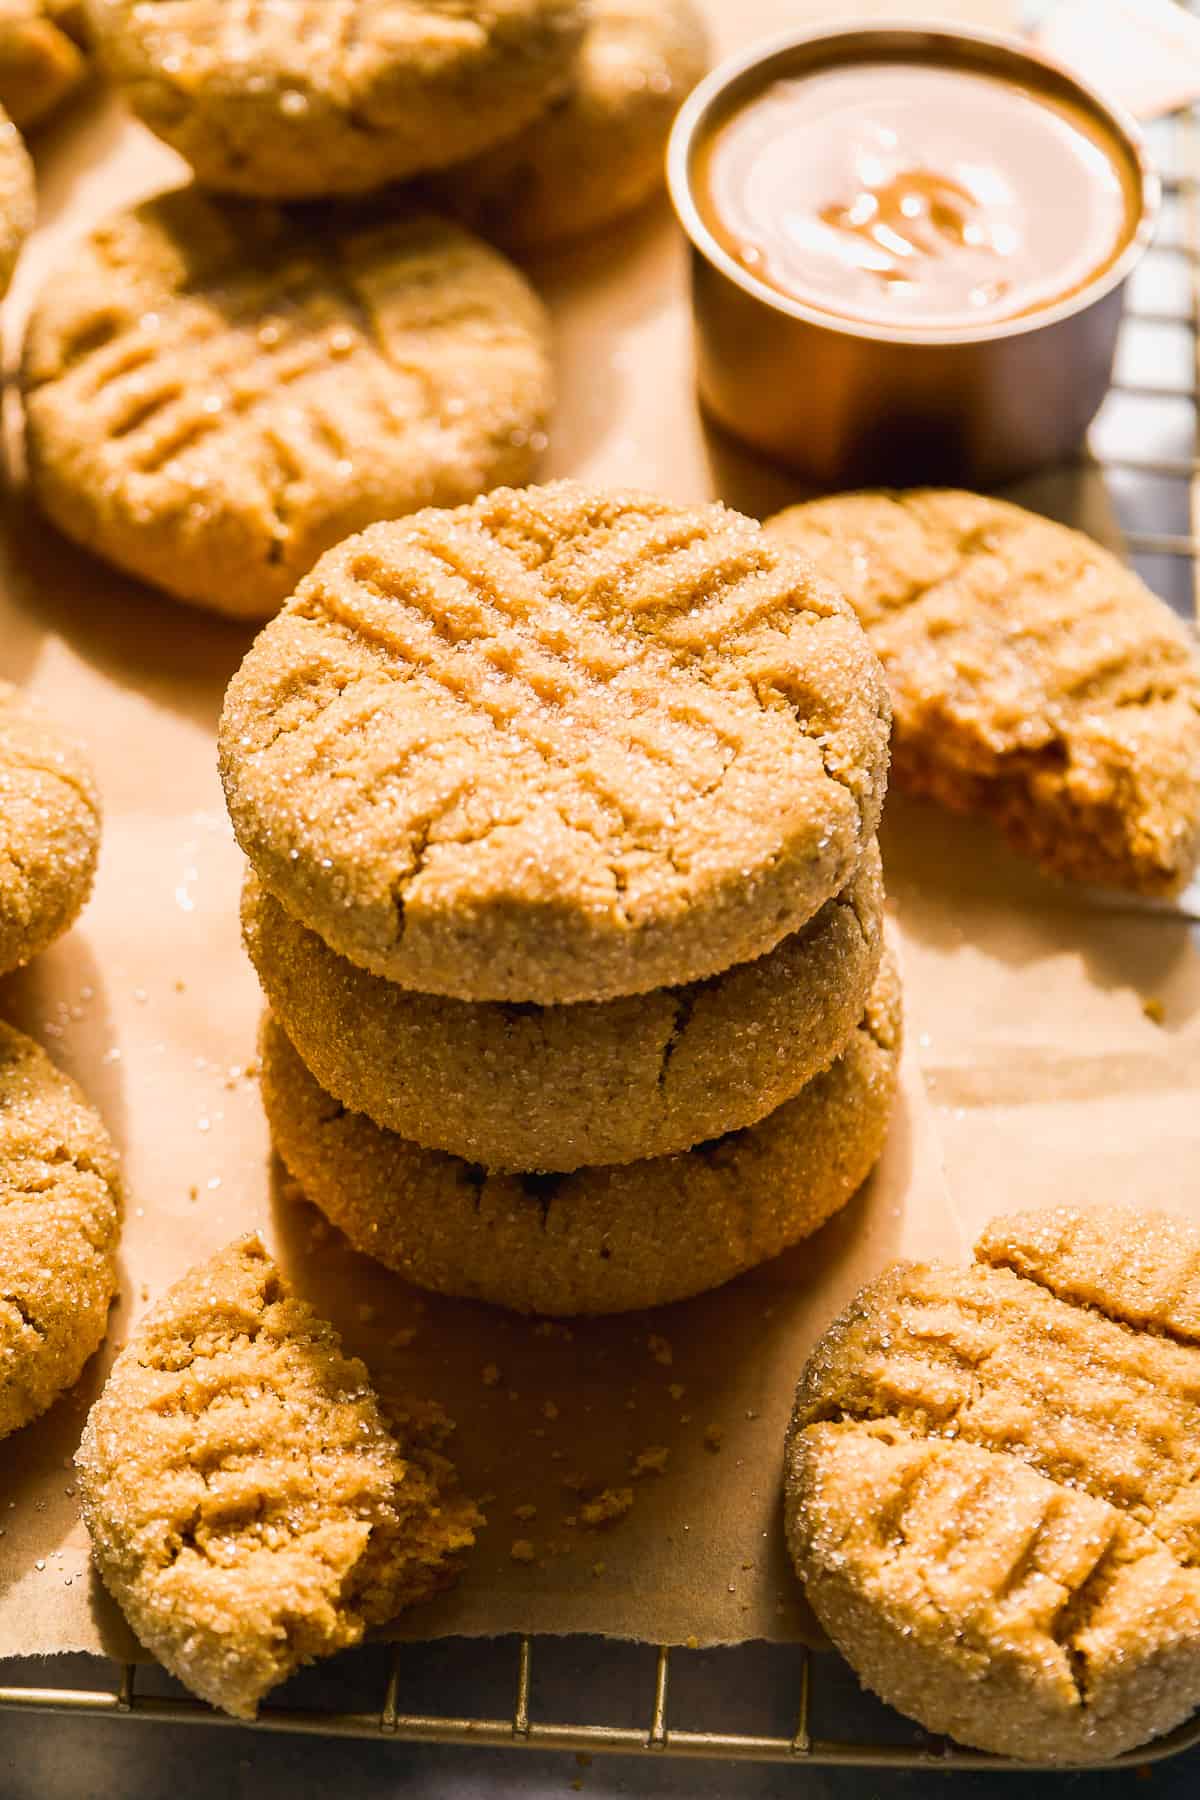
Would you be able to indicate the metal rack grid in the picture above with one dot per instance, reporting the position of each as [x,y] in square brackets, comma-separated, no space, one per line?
[520,1730]
[1146,443]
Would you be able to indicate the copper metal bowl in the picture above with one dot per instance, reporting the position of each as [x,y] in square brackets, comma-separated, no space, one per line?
[846,403]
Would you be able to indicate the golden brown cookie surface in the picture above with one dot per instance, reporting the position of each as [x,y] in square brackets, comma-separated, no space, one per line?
[49,830]
[18,199]
[990,1485]
[535,1087]
[599,149]
[292,99]
[1034,678]
[559,745]
[41,57]
[216,394]
[60,1217]
[249,1507]
[599,1240]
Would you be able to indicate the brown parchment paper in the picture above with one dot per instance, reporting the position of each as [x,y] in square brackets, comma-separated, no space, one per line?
[1025,1005]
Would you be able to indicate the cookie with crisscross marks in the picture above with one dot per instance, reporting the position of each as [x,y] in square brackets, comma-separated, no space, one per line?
[291,99]
[598,1240]
[216,393]
[1035,679]
[559,745]
[992,1485]
[251,1506]
[60,1219]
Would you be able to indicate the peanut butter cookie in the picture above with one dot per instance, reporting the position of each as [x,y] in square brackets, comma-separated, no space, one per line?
[216,393]
[991,1485]
[249,1507]
[49,830]
[558,745]
[18,198]
[297,98]
[599,1240]
[41,57]
[60,1218]
[599,150]
[537,1087]
[1034,678]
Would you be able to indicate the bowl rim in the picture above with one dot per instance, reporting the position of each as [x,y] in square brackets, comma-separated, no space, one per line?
[896,37]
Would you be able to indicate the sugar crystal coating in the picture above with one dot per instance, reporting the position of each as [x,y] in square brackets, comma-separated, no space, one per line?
[1034,678]
[556,1087]
[558,745]
[60,1220]
[991,1489]
[602,1239]
[249,1505]
[49,829]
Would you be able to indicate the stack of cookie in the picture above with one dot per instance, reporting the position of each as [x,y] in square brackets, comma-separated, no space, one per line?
[560,809]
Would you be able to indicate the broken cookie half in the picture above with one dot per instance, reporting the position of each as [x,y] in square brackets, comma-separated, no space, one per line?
[991,1485]
[249,1506]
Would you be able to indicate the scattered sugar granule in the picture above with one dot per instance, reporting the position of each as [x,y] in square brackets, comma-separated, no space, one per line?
[613,1503]
[522,1551]
[650,1462]
[660,1349]
[490,1375]
[714,1437]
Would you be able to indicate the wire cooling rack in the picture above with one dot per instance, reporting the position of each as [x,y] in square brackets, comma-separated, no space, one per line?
[814,1678]
[1146,444]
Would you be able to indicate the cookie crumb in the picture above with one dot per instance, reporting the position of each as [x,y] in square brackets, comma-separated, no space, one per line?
[549,1410]
[650,1462]
[714,1437]
[610,1504]
[660,1349]
[526,1512]
[677,1390]
[490,1375]
[522,1551]
[1154,1010]
[598,1568]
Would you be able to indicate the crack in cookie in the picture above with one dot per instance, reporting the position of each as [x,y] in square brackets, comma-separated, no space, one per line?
[598,1240]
